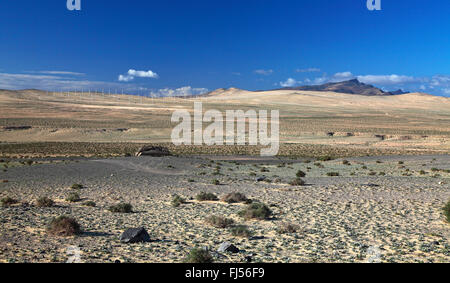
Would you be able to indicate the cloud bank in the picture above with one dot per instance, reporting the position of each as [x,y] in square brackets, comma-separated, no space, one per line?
[131,74]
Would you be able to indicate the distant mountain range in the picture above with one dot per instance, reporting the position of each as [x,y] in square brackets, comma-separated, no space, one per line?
[352,87]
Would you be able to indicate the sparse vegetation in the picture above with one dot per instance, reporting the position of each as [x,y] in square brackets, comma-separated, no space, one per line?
[219,221]
[235,197]
[325,158]
[8,201]
[198,256]
[216,182]
[73,197]
[297,182]
[332,174]
[90,203]
[447,211]
[345,162]
[256,210]
[77,187]
[177,201]
[64,226]
[300,174]
[121,208]
[241,231]
[203,196]
[44,202]
[287,228]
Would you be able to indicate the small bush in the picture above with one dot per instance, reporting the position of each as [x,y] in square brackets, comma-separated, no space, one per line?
[206,196]
[382,173]
[76,186]
[325,158]
[447,211]
[219,221]
[256,210]
[44,202]
[332,174]
[372,173]
[297,182]
[198,256]
[422,172]
[121,208]
[364,167]
[216,182]
[64,226]
[7,201]
[234,198]
[73,197]
[241,231]
[300,174]
[90,203]
[434,170]
[287,228]
[345,162]
[177,201]
[401,162]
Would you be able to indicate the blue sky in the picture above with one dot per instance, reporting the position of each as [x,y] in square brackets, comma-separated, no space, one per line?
[190,46]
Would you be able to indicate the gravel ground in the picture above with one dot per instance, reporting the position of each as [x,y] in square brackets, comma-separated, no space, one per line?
[357,216]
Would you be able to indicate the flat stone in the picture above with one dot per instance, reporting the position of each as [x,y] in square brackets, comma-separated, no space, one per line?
[135,235]
[227,247]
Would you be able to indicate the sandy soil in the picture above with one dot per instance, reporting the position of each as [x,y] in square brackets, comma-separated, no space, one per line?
[341,219]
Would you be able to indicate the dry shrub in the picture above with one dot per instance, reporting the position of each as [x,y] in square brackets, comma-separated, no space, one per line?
[235,197]
[219,221]
[64,226]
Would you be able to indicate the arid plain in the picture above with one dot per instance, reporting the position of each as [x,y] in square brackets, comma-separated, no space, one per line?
[357,179]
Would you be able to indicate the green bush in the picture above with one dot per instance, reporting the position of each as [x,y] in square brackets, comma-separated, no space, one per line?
[44,202]
[198,256]
[121,208]
[177,201]
[73,197]
[64,226]
[256,210]
[240,231]
[219,221]
[203,196]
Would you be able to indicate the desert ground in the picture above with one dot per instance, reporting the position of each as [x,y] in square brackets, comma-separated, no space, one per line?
[376,178]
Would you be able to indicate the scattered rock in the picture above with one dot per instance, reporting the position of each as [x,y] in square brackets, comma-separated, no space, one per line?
[227,247]
[135,235]
[16,128]
[260,179]
[155,151]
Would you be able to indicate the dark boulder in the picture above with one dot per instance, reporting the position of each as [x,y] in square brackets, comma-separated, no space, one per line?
[227,247]
[155,151]
[135,235]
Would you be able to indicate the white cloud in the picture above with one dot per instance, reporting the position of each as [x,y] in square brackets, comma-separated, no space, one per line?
[53,82]
[446,90]
[308,70]
[290,82]
[59,73]
[182,91]
[264,72]
[131,74]
[387,79]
